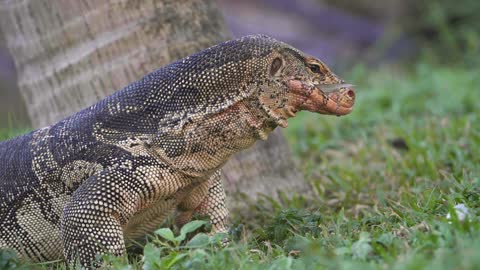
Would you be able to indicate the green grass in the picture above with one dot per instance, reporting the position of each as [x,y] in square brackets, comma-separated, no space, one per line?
[383,180]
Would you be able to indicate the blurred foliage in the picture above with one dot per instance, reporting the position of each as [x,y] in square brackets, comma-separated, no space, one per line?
[377,10]
[447,30]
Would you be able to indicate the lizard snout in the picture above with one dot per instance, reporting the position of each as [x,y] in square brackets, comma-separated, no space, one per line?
[343,95]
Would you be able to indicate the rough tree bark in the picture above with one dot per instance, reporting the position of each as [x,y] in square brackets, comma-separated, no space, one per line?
[71,53]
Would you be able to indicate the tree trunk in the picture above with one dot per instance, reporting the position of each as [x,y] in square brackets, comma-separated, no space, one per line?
[71,53]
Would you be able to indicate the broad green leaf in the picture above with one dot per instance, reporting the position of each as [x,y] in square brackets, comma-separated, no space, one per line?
[151,257]
[362,247]
[173,260]
[190,227]
[283,263]
[166,233]
[199,240]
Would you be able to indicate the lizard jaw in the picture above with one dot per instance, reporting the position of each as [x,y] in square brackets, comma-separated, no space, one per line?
[338,102]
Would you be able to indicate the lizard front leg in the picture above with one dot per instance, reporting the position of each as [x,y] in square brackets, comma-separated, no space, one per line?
[93,220]
[207,199]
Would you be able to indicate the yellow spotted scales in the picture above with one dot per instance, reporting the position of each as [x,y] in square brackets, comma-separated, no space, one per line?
[114,171]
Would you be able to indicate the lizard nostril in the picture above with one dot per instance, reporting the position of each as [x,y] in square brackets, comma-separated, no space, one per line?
[351,93]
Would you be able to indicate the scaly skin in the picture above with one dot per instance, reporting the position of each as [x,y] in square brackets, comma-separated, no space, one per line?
[115,170]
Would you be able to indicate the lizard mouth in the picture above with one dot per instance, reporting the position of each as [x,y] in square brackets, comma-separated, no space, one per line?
[336,99]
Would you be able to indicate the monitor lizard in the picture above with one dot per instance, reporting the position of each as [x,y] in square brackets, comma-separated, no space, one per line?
[115,170]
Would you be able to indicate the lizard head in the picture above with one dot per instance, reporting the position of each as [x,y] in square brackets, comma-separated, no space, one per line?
[299,82]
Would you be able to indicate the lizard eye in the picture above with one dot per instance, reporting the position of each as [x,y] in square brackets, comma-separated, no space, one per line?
[314,68]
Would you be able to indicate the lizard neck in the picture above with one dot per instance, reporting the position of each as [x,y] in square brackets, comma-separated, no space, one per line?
[202,147]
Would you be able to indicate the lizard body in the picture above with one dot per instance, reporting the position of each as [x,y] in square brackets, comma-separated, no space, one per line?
[116,169]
